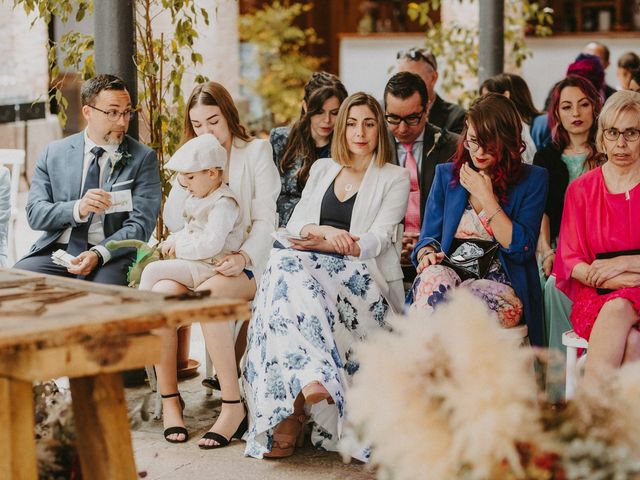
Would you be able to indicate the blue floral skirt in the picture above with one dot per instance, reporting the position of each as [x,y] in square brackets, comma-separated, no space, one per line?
[310,310]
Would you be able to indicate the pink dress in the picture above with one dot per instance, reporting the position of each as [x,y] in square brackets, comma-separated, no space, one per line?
[594,221]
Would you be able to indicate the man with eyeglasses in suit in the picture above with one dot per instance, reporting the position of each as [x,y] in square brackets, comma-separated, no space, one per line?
[418,146]
[72,187]
[441,113]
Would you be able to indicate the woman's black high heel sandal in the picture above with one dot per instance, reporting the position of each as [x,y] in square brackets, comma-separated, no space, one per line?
[175,430]
[223,441]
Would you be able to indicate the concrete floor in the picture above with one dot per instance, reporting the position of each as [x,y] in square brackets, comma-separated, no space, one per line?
[158,459]
[162,460]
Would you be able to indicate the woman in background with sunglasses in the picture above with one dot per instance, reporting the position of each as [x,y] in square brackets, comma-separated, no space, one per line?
[598,259]
[487,196]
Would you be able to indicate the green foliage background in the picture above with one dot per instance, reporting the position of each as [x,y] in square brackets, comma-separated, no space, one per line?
[456,45]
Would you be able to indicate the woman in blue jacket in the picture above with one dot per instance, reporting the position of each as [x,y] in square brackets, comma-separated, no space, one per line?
[485,210]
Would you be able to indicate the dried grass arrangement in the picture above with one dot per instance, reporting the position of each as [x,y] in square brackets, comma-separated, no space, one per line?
[452,397]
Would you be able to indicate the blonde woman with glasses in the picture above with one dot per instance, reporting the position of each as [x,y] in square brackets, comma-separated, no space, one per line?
[598,259]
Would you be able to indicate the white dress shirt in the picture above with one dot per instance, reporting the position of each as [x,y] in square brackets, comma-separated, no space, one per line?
[417,151]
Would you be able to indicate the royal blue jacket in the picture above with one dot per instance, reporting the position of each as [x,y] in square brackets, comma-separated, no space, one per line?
[524,206]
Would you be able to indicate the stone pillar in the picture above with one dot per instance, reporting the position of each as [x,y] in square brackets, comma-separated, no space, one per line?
[115,45]
[219,45]
[491,56]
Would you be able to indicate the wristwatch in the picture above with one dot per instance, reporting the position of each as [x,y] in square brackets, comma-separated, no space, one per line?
[98,254]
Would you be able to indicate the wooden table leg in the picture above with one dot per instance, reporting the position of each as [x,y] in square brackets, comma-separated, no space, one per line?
[102,427]
[17,440]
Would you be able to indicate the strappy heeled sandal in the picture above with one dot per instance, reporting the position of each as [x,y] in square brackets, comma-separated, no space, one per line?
[175,430]
[315,392]
[222,440]
[285,443]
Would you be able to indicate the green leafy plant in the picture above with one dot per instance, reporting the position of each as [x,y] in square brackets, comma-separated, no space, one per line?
[161,61]
[281,55]
[456,45]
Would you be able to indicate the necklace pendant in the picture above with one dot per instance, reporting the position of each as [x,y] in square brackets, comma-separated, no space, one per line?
[348,187]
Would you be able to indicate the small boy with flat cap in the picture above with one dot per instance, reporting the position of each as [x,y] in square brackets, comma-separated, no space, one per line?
[211,217]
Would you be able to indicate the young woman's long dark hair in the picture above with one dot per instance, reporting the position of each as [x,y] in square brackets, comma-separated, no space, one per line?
[498,128]
[300,144]
[559,136]
[519,93]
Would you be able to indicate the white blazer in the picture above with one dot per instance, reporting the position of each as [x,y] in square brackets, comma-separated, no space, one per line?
[379,208]
[254,179]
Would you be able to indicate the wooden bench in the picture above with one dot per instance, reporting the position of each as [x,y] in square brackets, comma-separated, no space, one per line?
[52,327]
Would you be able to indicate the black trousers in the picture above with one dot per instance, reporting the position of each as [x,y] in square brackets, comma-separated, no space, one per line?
[113,272]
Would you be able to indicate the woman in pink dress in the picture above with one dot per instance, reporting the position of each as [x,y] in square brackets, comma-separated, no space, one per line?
[600,219]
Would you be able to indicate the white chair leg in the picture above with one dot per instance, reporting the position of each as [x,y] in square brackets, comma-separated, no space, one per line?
[571,372]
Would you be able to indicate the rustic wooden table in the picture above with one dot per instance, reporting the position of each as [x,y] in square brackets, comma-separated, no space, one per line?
[52,327]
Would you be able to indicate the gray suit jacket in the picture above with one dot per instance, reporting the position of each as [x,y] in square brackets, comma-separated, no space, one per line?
[56,185]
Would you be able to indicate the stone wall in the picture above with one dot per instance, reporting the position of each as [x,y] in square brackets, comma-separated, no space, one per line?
[24,74]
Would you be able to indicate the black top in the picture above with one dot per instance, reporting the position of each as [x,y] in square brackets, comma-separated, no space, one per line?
[445,115]
[550,158]
[335,213]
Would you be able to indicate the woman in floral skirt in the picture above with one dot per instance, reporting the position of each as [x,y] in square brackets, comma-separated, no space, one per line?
[335,284]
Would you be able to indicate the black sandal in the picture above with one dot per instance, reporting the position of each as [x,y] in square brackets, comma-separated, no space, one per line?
[175,430]
[223,441]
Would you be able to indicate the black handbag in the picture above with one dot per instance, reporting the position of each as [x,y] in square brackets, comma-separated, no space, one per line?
[471,258]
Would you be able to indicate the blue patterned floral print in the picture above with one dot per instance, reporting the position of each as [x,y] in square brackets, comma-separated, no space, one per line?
[296,360]
[249,372]
[275,385]
[359,284]
[278,324]
[331,264]
[379,311]
[311,329]
[290,264]
[348,314]
[280,290]
[308,321]
[314,287]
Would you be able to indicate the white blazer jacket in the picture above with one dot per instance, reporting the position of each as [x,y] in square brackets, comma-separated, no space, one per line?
[254,179]
[378,211]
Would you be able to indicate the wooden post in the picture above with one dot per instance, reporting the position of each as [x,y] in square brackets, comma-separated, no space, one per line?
[17,442]
[102,427]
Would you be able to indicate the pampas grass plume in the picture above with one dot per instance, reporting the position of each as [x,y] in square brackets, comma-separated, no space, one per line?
[444,392]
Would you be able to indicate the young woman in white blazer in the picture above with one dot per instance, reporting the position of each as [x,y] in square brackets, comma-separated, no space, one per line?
[253,178]
[325,293]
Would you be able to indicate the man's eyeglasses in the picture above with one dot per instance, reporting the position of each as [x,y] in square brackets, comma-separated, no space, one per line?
[416,54]
[471,145]
[114,115]
[630,134]
[411,120]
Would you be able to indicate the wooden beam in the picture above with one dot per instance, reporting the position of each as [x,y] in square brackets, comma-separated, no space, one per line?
[102,427]
[106,355]
[17,441]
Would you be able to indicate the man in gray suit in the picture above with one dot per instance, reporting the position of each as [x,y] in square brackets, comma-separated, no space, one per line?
[72,187]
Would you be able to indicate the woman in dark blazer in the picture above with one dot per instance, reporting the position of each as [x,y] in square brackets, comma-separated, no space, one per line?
[575,106]
[488,194]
